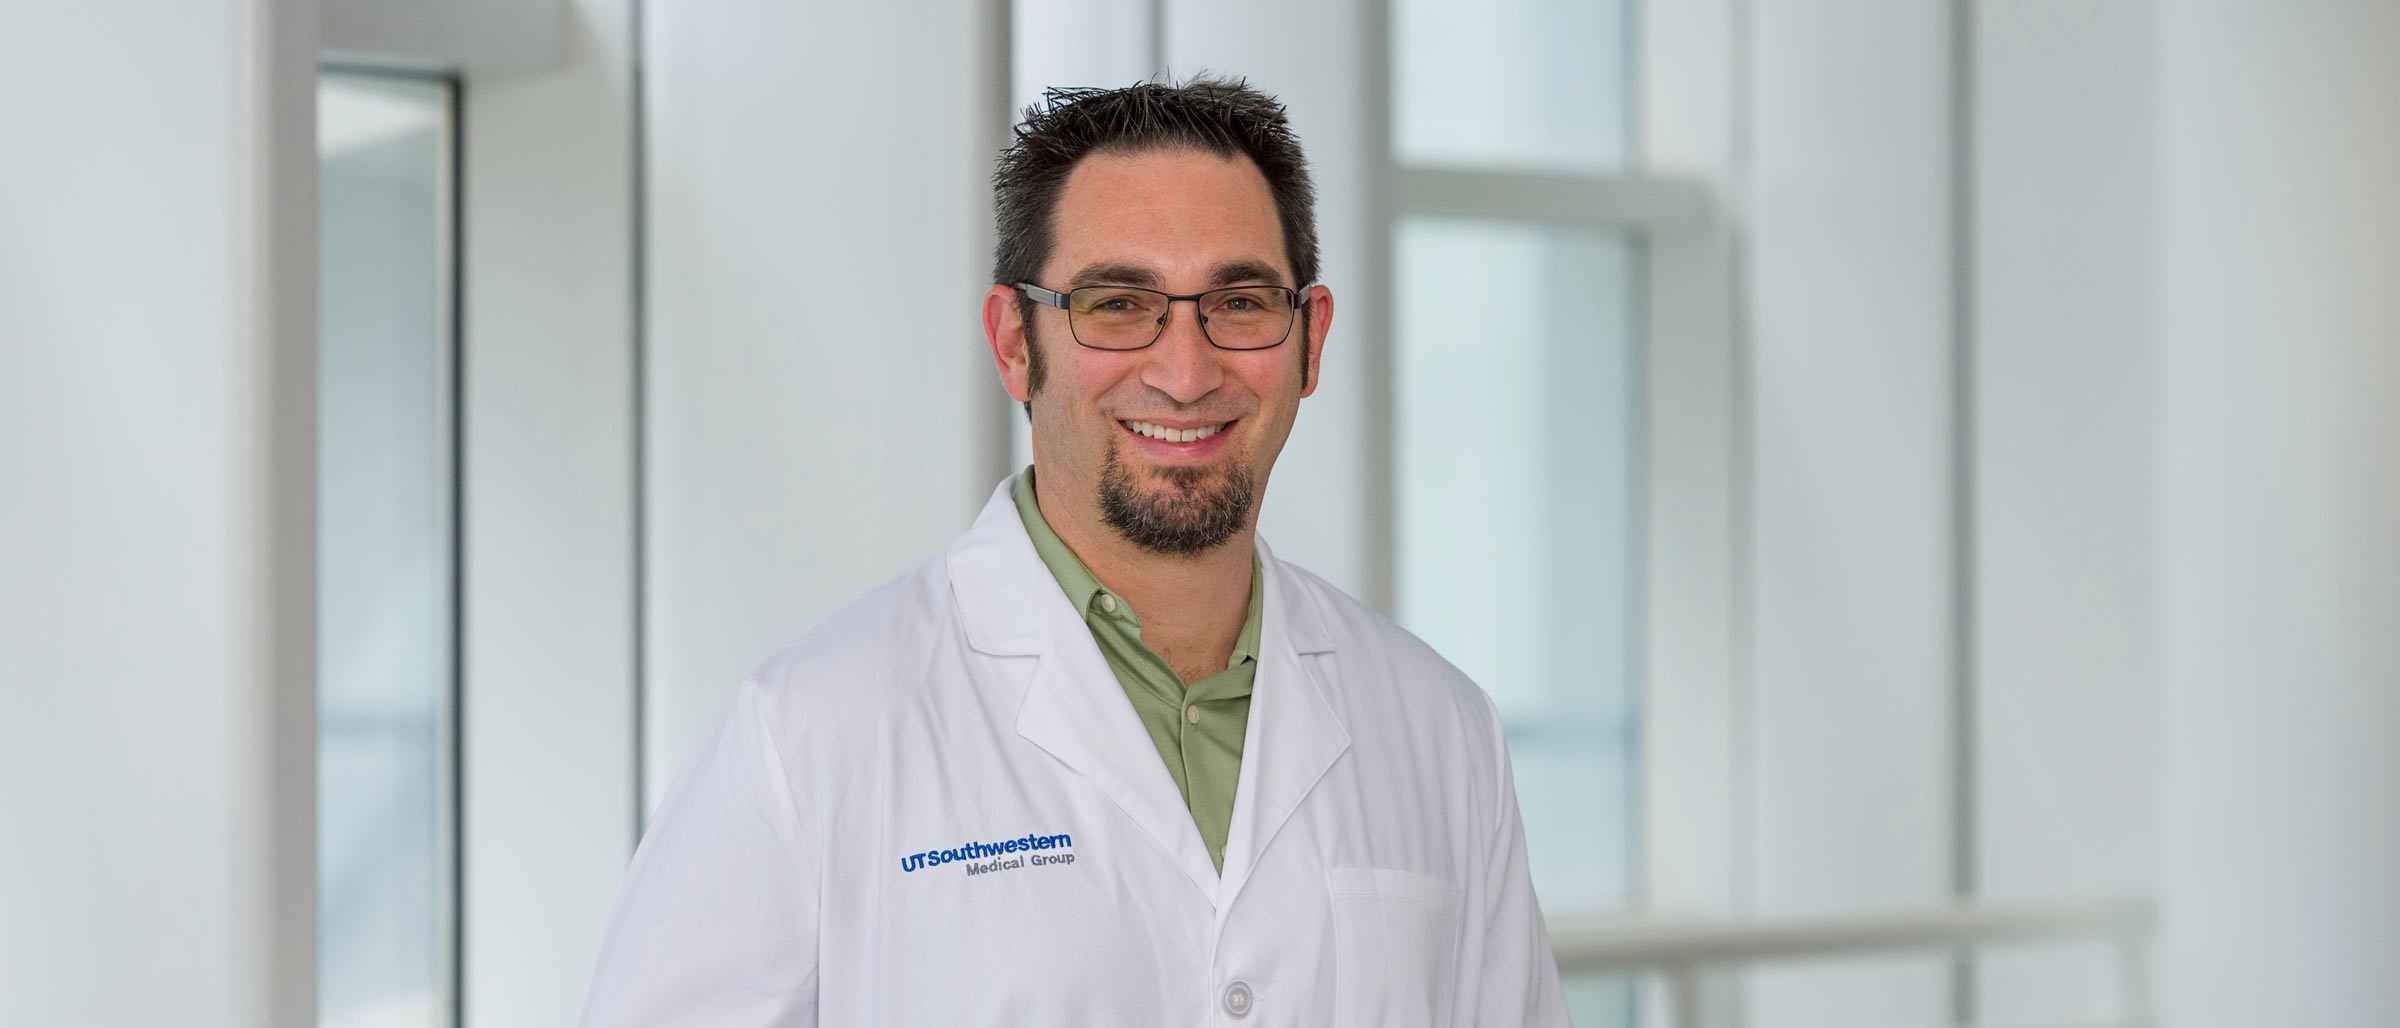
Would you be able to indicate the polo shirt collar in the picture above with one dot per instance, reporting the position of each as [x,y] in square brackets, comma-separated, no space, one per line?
[1085,590]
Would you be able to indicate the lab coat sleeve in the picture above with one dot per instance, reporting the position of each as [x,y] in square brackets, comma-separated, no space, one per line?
[1513,980]
[716,924]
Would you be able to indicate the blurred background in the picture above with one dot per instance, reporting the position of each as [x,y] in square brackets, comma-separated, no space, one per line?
[1921,478]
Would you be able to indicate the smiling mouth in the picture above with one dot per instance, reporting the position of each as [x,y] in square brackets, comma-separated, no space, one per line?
[1174,435]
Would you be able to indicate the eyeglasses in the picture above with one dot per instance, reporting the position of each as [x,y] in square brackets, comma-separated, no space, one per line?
[1130,317]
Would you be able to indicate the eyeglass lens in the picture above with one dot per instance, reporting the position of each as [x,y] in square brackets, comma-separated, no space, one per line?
[1127,318]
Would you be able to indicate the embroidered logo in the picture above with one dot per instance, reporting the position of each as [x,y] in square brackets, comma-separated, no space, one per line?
[987,857]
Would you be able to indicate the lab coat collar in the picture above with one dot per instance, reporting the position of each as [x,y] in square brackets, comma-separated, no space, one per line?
[1000,582]
[1075,709]
[1295,734]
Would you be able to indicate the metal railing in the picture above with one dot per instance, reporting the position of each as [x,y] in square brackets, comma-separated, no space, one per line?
[1682,950]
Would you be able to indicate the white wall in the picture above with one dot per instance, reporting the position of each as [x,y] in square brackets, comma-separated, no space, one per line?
[157,270]
[2066,497]
[2188,487]
[822,412]
[1851,295]
[548,740]
[2278,148]
[1849,286]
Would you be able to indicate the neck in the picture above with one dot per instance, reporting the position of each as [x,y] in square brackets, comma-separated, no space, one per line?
[1192,607]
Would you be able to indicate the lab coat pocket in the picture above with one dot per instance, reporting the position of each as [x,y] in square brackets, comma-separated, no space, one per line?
[1395,947]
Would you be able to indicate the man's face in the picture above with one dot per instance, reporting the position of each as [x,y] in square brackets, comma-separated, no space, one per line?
[1181,221]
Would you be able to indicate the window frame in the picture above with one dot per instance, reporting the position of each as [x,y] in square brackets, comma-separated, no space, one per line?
[1672,198]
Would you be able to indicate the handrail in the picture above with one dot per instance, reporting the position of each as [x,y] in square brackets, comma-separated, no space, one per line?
[1683,947]
[1600,944]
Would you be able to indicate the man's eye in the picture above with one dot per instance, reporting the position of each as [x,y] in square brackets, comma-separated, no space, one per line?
[1115,304]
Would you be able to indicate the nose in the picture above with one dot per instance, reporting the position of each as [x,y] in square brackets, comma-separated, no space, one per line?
[1183,364]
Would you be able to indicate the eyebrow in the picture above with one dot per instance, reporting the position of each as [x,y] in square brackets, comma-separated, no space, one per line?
[1236,272]
[1127,273]
[1115,274]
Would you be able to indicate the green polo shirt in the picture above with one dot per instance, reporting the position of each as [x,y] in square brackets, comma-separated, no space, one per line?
[1197,727]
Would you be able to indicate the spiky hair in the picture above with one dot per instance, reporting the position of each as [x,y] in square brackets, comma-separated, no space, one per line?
[1225,117]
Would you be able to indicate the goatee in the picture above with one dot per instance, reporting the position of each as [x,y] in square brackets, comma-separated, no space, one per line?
[1200,509]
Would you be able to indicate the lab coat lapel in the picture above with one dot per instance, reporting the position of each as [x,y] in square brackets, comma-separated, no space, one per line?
[1074,708]
[1294,734]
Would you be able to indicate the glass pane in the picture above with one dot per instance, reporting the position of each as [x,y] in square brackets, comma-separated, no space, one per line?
[1517,83]
[383,553]
[1516,453]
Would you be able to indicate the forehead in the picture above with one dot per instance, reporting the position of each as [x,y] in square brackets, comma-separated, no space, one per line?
[1181,211]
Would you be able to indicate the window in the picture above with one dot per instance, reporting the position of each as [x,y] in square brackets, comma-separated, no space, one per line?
[386,766]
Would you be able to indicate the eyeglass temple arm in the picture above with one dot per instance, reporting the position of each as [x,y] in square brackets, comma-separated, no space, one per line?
[1041,295]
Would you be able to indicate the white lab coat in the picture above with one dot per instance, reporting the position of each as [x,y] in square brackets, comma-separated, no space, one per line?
[814,862]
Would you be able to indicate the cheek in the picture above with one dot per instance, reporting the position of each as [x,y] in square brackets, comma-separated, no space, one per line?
[1274,376]
[1094,377]
[1076,392]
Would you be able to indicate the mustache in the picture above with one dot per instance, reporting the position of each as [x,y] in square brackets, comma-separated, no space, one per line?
[1208,417]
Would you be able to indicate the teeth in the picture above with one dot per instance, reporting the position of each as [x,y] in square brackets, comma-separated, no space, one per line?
[1172,435]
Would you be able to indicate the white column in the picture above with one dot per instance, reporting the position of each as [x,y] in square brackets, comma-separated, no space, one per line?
[157,536]
[1850,521]
[822,409]
[2066,408]
[2280,245]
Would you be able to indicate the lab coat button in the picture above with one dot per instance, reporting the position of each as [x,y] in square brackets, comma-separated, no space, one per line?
[1237,1000]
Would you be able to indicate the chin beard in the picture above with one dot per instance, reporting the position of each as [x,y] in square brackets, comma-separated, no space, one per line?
[1200,509]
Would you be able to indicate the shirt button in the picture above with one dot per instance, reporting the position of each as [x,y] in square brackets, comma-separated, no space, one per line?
[1191,714]
[1237,1000]
[1108,603]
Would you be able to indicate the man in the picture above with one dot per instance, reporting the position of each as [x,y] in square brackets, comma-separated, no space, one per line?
[1107,761]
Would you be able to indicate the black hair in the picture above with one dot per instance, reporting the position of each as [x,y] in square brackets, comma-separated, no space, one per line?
[1224,117]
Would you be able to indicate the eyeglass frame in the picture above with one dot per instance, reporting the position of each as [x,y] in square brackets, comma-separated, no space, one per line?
[1054,298]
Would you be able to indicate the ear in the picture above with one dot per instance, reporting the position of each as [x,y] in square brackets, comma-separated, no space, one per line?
[1320,321]
[1004,327]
